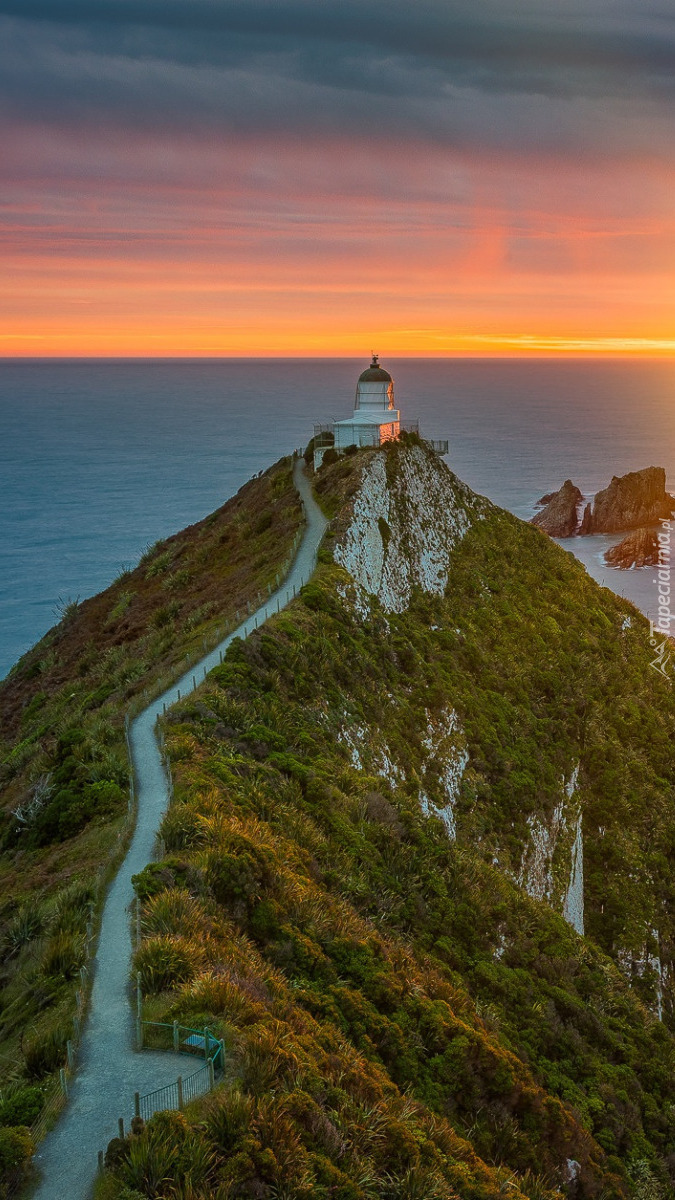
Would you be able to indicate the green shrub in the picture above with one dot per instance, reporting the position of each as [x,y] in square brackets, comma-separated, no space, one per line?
[45,1054]
[123,602]
[173,911]
[241,873]
[74,806]
[23,927]
[166,961]
[158,564]
[22,1107]
[263,523]
[227,1119]
[177,581]
[16,1148]
[69,909]
[63,955]
[158,876]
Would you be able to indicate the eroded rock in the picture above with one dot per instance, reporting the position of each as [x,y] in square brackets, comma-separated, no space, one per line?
[638,549]
[633,500]
[560,517]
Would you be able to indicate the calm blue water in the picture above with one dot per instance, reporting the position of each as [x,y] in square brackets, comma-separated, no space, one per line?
[100,458]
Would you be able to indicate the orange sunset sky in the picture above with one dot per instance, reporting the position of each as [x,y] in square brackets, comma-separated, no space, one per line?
[295,178]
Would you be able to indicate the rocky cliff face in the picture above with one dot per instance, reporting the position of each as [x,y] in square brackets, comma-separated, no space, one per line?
[401,535]
[405,522]
[560,517]
[407,516]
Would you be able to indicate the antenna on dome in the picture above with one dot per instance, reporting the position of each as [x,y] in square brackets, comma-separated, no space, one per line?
[375,362]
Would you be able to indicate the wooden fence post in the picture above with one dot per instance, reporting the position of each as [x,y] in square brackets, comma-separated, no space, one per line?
[139,1012]
[176,1037]
[120,1126]
[137,1104]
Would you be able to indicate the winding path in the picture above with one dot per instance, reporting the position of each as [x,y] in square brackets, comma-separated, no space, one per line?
[109,1069]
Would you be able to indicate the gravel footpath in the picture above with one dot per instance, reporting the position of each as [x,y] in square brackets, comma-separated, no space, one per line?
[109,1070]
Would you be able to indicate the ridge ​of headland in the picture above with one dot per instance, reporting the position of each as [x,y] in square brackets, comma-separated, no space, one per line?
[395,809]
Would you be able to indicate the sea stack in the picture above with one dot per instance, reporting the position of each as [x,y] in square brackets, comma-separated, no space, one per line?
[631,501]
[560,517]
[639,548]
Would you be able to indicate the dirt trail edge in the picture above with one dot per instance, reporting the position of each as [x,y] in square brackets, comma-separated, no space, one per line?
[109,1070]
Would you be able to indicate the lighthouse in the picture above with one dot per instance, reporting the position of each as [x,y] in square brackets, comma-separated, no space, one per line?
[375,419]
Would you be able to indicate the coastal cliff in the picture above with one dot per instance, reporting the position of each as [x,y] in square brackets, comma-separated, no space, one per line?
[416,872]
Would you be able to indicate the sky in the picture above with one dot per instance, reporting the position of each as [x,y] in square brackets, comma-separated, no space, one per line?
[327,177]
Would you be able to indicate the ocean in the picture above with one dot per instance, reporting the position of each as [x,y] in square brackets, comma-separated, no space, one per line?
[99,459]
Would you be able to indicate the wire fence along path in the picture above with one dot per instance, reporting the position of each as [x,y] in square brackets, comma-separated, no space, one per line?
[109,1070]
[198,1043]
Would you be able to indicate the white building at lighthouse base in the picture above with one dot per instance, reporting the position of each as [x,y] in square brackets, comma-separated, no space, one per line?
[375,419]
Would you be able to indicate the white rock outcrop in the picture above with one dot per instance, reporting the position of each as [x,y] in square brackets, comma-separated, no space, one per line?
[552,866]
[447,757]
[440,771]
[573,908]
[408,514]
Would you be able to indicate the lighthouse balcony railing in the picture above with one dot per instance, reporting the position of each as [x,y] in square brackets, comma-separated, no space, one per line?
[410,426]
[440,445]
[324,435]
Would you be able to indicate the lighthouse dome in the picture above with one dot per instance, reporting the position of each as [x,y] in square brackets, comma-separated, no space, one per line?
[375,373]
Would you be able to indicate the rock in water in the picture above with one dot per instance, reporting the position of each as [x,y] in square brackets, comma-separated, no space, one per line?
[633,500]
[638,549]
[560,517]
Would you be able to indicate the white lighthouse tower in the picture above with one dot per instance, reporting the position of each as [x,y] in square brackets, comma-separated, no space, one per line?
[375,419]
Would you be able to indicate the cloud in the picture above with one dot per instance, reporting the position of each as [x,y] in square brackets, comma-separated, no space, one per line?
[590,76]
[176,169]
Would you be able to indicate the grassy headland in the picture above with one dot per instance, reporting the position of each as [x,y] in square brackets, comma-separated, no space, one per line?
[355,895]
